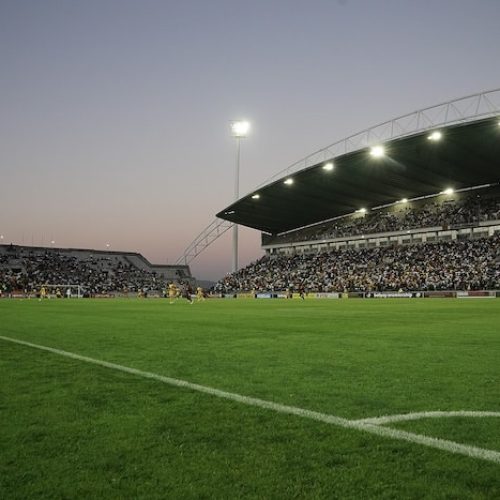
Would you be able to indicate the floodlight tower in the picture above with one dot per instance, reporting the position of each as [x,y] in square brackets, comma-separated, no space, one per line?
[239,130]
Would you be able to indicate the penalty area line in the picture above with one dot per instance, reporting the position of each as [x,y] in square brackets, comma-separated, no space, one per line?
[366,426]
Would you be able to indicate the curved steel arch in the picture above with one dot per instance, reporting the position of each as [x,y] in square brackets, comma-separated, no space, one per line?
[211,233]
[462,110]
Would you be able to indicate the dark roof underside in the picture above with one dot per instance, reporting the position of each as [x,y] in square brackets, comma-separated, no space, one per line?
[467,155]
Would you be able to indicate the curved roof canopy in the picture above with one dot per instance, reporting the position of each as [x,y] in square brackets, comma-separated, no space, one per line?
[467,154]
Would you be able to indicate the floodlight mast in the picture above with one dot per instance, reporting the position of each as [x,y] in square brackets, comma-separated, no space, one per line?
[239,130]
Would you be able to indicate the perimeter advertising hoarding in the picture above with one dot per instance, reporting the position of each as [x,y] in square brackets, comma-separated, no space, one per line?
[394,295]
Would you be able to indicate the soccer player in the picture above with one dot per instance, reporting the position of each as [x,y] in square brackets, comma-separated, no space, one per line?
[186,293]
[43,293]
[200,295]
[172,293]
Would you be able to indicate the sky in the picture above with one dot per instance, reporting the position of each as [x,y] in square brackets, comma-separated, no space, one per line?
[115,114]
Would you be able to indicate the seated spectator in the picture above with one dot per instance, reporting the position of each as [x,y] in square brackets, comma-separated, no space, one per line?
[451,265]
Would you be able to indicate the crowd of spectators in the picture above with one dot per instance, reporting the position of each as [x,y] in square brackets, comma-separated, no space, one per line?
[469,210]
[23,270]
[451,265]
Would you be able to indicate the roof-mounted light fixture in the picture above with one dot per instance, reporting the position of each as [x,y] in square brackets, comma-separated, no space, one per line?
[435,136]
[377,151]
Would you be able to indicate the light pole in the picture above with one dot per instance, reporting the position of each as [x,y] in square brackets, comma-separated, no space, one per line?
[239,130]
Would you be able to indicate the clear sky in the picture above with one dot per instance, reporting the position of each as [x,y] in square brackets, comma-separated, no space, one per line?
[114,114]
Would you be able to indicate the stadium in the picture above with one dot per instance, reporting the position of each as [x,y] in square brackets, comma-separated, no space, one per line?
[322,391]
[429,178]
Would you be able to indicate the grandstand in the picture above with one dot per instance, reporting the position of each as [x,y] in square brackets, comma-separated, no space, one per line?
[96,272]
[347,214]
[471,213]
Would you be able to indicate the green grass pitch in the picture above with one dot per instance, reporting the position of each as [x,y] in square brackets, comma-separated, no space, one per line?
[70,429]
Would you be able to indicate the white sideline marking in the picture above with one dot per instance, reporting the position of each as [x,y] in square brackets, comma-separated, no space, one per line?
[389,419]
[372,428]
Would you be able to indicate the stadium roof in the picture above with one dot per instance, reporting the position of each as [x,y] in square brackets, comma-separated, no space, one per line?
[413,164]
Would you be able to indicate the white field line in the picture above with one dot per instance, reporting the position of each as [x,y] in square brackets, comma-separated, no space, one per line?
[389,419]
[442,444]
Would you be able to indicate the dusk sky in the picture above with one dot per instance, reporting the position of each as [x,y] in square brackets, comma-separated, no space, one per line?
[114,114]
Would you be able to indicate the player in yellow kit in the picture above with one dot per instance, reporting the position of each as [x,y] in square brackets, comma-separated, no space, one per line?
[200,295]
[173,293]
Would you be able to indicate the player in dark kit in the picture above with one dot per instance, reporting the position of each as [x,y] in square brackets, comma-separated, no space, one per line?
[186,293]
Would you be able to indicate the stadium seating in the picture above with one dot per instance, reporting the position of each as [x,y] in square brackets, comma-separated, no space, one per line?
[452,265]
[454,245]
[96,272]
[463,209]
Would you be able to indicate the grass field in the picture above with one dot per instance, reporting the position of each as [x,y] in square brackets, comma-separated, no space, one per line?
[73,429]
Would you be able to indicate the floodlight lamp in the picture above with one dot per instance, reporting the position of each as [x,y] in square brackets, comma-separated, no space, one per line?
[361,211]
[288,181]
[404,200]
[240,129]
[435,136]
[256,196]
[448,191]
[377,151]
[328,166]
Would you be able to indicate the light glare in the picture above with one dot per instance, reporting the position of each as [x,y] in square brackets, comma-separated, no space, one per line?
[240,128]
[448,191]
[435,136]
[328,166]
[289,181]
[404,200]
[256,196]
[377,151]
